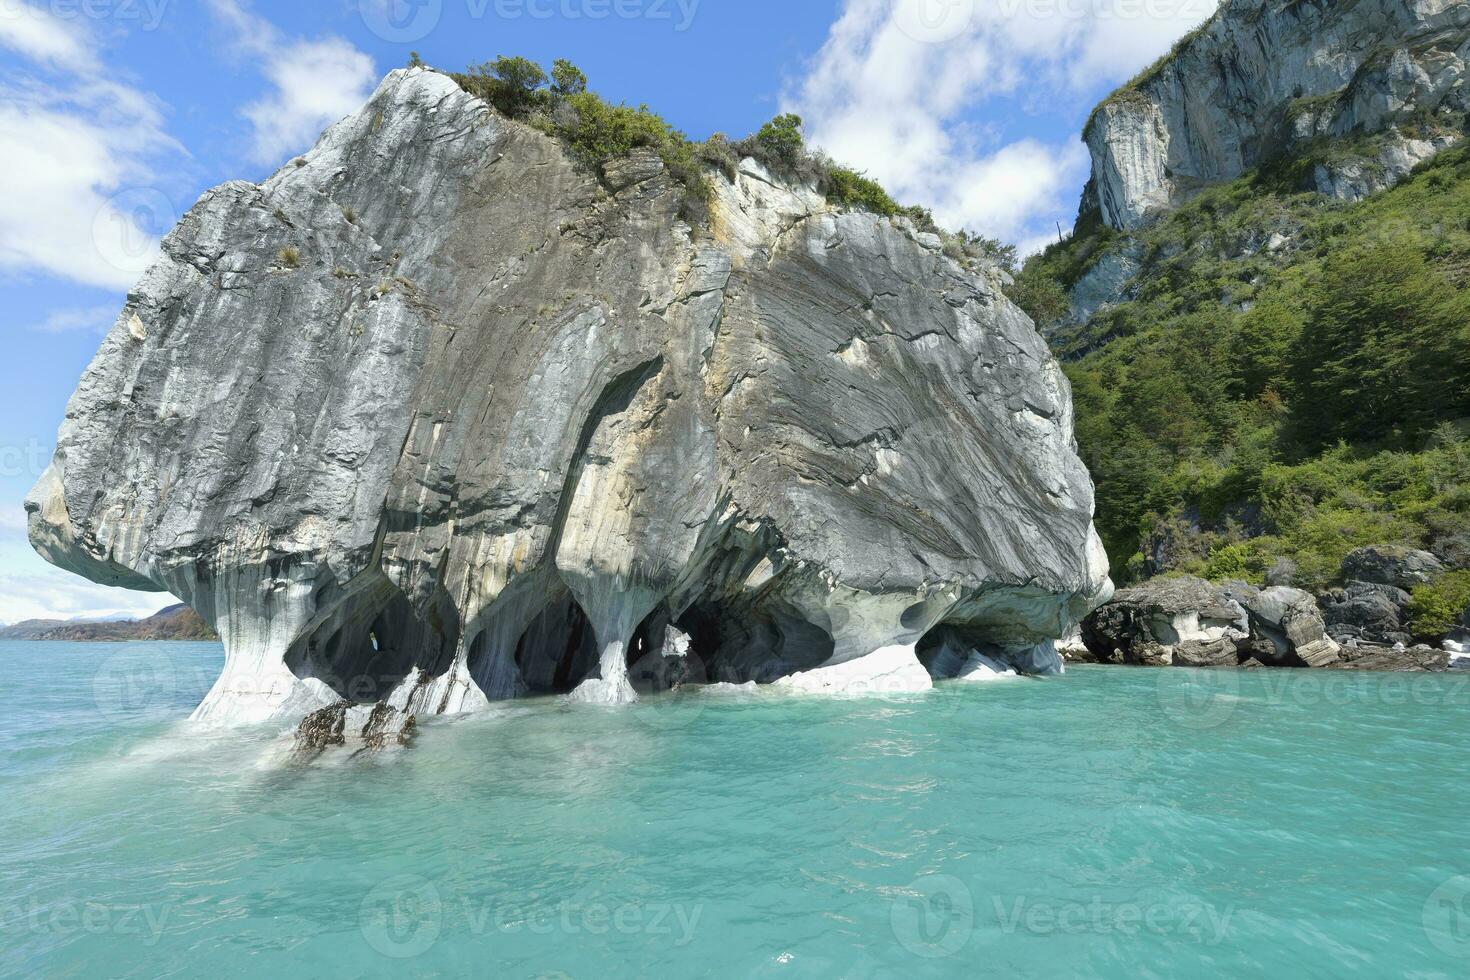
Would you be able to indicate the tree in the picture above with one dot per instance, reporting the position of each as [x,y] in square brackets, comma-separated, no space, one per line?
[510,84]
[567,78]
[1382,350]
[781,140]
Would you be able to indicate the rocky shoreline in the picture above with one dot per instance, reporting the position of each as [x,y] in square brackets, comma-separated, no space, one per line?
[1185,621]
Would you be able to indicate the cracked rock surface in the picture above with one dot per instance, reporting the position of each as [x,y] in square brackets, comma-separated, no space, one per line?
[1272,78]
[434,416]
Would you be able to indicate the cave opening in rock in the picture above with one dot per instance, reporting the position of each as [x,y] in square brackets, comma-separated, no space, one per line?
[739,642]
[368,644]
[558,650]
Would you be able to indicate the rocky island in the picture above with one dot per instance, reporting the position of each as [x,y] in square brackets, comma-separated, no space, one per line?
[439,415]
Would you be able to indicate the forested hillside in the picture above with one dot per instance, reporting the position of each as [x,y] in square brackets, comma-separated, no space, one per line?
[1286,378]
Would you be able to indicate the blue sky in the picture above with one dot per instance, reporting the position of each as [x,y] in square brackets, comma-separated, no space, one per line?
[116,114]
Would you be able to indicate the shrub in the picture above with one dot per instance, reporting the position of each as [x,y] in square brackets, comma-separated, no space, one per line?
[850,188]
[779,144]
[289,257]
[720,153]
[595,131]
[1437,608]
[512,85]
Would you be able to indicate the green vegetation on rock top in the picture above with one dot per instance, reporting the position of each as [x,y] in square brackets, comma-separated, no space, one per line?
[595,131]
[1132,90]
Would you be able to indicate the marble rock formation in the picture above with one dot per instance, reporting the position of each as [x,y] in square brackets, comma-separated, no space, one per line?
[435,416]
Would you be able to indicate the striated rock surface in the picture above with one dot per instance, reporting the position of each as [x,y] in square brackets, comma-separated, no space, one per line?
[1184,621]
[1286,627]
[1367,612]
[1362,90]
[435,416]
[1173,620]
[1391,565]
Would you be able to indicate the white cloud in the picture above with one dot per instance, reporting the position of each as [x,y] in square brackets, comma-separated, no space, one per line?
[32,589]
[39,36]
[94,319]
[80,152]
[314,83]
[893,89]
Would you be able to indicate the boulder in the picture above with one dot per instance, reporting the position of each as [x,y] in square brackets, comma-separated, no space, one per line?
[1400,567]
[1452,549]
[1366,612]
[1197,653]
[1286,627]
[1372,657]
[1155,622]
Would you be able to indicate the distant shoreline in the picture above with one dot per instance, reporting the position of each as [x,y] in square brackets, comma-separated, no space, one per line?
[177,622]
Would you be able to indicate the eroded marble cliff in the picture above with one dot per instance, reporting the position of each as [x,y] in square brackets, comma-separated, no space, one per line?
[1360,89]
[434,416]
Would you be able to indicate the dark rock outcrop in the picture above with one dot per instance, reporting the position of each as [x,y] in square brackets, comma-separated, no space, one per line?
[1188,622]
[355,726]
[1286,627]
[1402,568]
[1176,619]
[1366,612]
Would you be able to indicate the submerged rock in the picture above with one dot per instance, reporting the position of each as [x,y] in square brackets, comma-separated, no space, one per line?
[356,726]
[436,416]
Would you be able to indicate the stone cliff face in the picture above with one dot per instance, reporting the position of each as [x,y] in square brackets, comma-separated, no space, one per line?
[1363,88]
[434,416]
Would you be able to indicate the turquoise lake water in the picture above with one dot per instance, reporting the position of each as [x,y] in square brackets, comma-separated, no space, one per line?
[1114,822]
